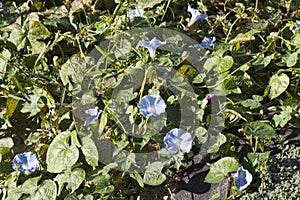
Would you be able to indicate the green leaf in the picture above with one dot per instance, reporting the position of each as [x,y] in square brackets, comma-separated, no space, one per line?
[252,103]
[138,178]
[296,40]
[199,78]
[4,59]
[220,169]
[153,175]
[225,64]
[30,35]
[103,122]
[257,158]
[30,185]
[284,117]
[90,151]
[126,160]
[200,135]
[214,142]
[18,38]
[148,4]
[34,106]
[245,37]
[292,59]
[72,71]
[278,84]
[210,63]
[60,154]
[37,31]
[73,196]
[45,191]
[75,179]
[260,129]
[11,106]
[261,62]
[5,145]
[103,185]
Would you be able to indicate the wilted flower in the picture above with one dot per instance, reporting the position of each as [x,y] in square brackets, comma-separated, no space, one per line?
[93,114]
[151,45]
[243,178]
[206,43]
[196,15]
[205,100]
[152,105]
[138,12]
[177,139]
[298,23]
[26,162]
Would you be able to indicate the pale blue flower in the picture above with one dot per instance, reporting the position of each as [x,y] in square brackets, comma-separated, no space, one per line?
[112,106]
[243,178]
[152,105]
[151,46]
[1,4]
[298,23]
[206,43]
[93,114]
[138,12]
[177,139]
[26,162]
[196,15]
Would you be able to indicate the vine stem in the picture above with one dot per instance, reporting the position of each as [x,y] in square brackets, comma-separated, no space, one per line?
[227,188]
[116,11]
[230,29]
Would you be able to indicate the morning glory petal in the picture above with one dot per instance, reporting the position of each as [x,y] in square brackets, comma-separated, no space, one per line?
[243,178]
[138,12]
[93,114]
[178,138]
[151,45]
[196,15]
[206,43]
[152,105]
[26,162]
[298,23]
[171,148]
[186,144]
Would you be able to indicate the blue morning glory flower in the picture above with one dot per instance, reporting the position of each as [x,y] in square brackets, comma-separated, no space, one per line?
[152,105]
[206,43]
[26,162]
[151,46]
[298,23]
[177,139]
[93,114]
[196,15]
[138,12]
[243,178]
[112,106]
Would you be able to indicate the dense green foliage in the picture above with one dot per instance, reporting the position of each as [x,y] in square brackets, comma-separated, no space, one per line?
[48,79]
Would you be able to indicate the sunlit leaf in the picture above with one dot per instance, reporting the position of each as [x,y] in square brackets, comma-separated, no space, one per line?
[220,169]
[278,84]
[260,129]
[61,155]
[153,175]
[90,151]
